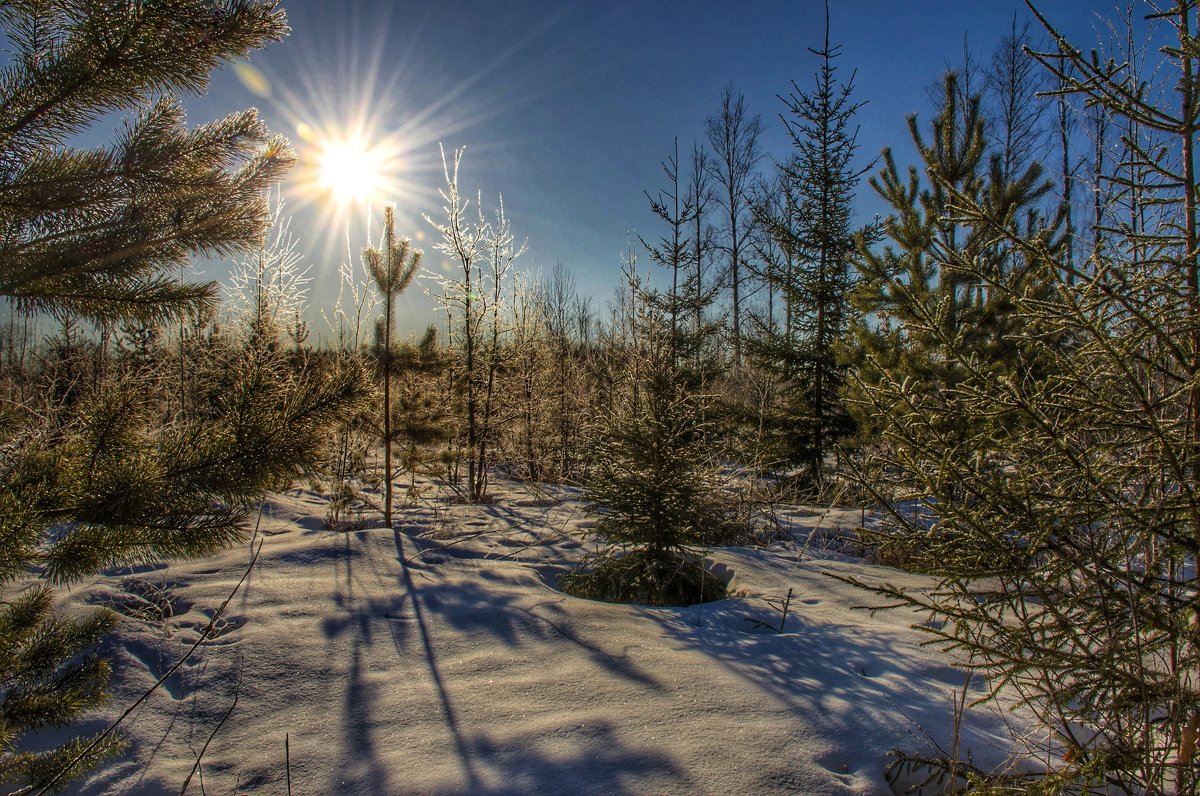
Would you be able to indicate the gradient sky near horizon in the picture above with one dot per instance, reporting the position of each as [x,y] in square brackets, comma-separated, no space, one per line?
[568,108]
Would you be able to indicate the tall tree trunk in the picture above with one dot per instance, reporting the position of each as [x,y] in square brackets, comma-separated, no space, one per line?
[1068,182]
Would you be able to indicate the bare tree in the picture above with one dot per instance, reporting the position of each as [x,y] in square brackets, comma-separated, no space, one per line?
[531,375]
[1012,83]
[734,135]
[465,240]
[1066,130]
[568,321]
[699,195]
[502,253]
[485,253]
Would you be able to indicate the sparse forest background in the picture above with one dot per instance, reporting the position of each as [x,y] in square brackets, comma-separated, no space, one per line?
[1006,365]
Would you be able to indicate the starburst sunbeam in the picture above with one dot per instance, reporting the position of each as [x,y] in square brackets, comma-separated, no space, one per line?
[366,116]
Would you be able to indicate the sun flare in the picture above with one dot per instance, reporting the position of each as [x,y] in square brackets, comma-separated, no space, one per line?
[351,170]
[355,151]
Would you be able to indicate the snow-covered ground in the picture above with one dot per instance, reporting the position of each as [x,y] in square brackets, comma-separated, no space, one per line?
[438,658]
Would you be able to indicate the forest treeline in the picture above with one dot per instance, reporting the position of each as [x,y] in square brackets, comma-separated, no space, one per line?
[1006,365]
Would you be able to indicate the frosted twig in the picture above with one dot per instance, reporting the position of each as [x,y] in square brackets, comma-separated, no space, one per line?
[111,728]
[237,687]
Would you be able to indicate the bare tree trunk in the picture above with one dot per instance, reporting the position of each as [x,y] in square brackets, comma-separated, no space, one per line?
[387,412]
[1068,181]
[734,137]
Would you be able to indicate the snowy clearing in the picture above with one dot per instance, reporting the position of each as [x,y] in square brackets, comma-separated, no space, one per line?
[437,659]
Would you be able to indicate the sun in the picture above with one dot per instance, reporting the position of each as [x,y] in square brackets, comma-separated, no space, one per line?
[351,170]
[357,148]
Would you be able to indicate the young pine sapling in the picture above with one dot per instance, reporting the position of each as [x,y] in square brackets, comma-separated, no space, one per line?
[392,269]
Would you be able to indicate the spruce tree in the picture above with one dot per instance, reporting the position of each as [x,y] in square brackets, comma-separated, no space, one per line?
[675,211]
[691,340]
[99,234]
[699,195]
[811,223]
[652,483]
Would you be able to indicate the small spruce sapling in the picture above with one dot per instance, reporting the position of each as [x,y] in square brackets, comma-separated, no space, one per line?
[653,481]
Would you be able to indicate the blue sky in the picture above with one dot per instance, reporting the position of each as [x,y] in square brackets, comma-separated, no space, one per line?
[568,108]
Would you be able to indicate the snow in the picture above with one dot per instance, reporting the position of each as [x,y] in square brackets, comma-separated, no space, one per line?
[437,658]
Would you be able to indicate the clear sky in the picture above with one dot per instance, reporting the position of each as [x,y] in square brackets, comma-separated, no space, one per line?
[567,108]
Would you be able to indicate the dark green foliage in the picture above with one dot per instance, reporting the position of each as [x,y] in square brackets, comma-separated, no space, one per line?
[939,288]
[649,473]
[117,496]
[691,339]
[1055,454]
[811,225]
[644,577]
[652,483]
[141,342]
[99,229]
[90,474]
[50,677]
[100,489]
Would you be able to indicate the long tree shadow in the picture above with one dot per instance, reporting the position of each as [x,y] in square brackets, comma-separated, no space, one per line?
[469,608]
[362,770]
[486,605]
[600,764]
[452,723]
[857,683]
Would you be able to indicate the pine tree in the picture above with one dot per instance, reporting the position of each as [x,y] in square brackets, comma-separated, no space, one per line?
[917,308]
[98,234]
[392,269]
[1063,514]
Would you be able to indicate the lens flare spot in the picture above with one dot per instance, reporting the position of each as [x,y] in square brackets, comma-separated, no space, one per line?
[306,133]
[252,79]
